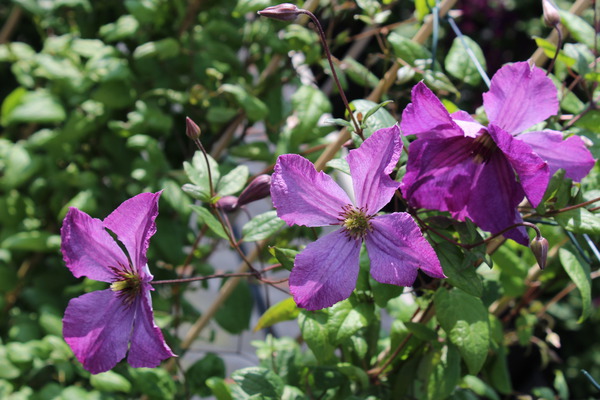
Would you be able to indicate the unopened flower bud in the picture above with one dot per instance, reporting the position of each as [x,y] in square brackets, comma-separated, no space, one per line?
[551,15]
[192,130]
[228,203]
[539,247]
[282,12]
[259,188]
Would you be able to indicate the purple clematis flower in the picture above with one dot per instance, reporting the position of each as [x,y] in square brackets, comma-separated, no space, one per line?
[101,327]
[483,173]
[325,272]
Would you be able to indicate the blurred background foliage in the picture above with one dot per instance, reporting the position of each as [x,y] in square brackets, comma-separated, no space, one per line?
[94,96]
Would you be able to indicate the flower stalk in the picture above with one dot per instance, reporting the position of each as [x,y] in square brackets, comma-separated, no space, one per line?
[289,12]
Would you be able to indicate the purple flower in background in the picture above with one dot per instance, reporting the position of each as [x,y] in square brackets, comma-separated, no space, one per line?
[101,327]
[483,173]
[325,272]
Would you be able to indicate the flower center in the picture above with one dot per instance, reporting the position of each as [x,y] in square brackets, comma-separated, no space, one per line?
[127,284]
[355,222]
[482,148]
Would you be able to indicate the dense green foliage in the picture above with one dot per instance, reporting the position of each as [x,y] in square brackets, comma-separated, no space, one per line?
[94,97]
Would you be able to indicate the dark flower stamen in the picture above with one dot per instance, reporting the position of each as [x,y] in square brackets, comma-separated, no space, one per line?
[127,284]
[482,148]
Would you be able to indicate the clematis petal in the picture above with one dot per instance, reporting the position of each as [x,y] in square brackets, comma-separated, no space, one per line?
[533,172]
[148,347]
[427,117]
[571,154]
[438,173]
[325,271]
[97,326]
[470,127]
[88,249]
[520,96]
[397,249]
[303,196]
[133,223]
[495,195]
[370,167]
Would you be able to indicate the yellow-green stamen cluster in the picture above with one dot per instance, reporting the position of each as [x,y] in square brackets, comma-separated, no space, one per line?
[127,284]
[355,222]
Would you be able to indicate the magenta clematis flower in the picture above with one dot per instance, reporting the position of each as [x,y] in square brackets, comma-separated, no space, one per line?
[102,327]
[325,272]
[483,173]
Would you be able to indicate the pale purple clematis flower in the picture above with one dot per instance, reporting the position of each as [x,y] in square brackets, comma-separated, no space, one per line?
[102,326]
[483,173]
[325,272]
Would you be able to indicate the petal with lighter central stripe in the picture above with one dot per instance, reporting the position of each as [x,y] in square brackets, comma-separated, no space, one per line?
[325,271]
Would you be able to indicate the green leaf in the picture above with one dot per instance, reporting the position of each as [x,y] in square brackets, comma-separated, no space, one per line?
[262,226]
[234,314]
[219,388]
[210,366]
[197,172]
[155,383]
[340,164]
[32,241]
[259,381]
[234,181]
[589,121]
[110,381]
[309,104]
[33,107]
[465,320]
[579,272]
[255,151]
[359,73]
[579,220]
[459,64]
[17,165]
[197,192]
[313,326]
[162,49]
[579,28]
[458,269]
[380,119]
[421,331]
[254,107]
[285,310]
[347,317]
[124,28]
[406,49]
[438,81]
[439,369]
[210,220]
[285,256]
[354,373]
[480,388]
[373,111]
[550,50]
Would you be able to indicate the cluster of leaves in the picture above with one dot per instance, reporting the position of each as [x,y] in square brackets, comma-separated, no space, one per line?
[93,112]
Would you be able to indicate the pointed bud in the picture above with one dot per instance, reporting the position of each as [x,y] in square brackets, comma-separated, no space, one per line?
[551,15]
[539,247]
[259,188]
[282,12]
[192,130]
[228,203]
